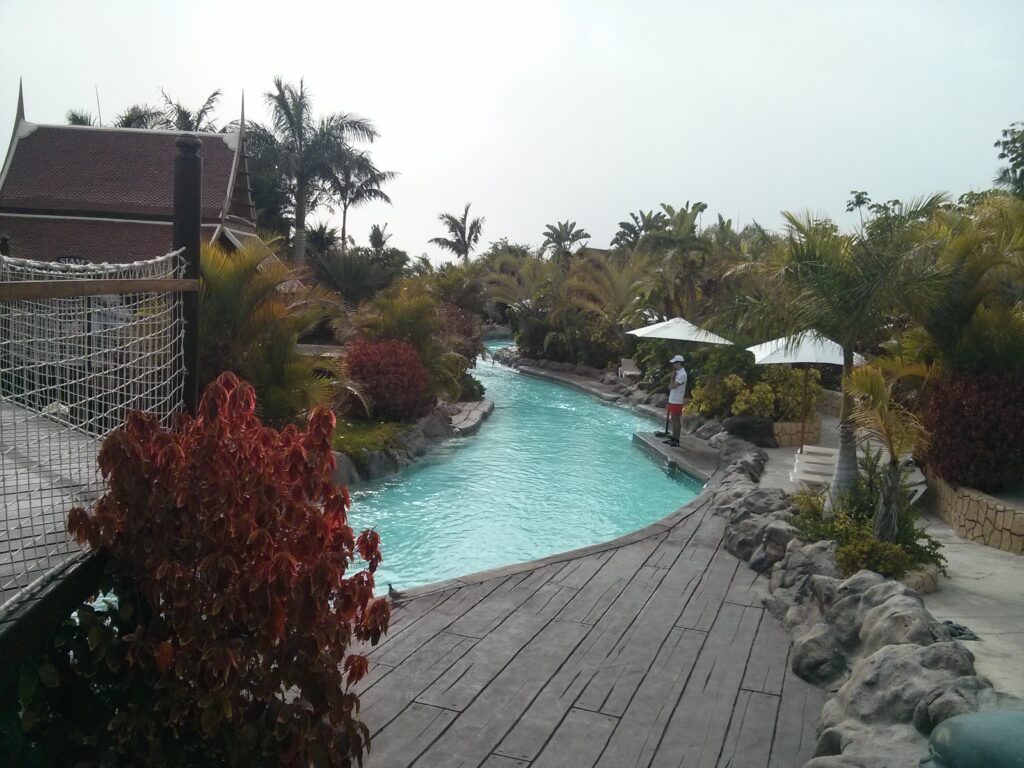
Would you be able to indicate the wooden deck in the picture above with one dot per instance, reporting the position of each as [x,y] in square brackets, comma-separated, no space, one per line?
[649,651]
[45,469]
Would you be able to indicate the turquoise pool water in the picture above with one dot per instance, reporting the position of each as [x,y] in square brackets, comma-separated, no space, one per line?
[551,470]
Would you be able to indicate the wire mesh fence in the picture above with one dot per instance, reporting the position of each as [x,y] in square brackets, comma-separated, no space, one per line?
[70,371]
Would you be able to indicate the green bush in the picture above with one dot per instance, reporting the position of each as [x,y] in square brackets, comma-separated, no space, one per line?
[851,525]
[796,393]
[472,388]
[757,401]
[715,396]
[353,436]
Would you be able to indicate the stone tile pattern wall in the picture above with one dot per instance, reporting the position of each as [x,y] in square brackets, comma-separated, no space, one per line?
[979,517]
[787,433]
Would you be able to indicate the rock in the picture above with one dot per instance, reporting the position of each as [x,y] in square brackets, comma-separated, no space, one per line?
[763,501]
[659,399]
[379,463]
[413,442]
[978,740]
[707,429]
[816,655]
[435,426]
[345,470]
[964,694]
[754,429]
[610,379]
[900,619]
[851,744]
[887,686]
[744,537]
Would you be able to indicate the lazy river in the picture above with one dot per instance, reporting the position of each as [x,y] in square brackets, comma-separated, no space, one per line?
[552,470]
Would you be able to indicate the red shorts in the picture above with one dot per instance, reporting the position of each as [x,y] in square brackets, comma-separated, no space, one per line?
[675,408]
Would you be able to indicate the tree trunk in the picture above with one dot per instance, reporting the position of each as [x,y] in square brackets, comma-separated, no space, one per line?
[299,241]
[887,520]
[344,228]
[846,463]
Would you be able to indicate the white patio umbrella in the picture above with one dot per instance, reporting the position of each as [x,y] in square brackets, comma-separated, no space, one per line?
[678,329]
[806,347]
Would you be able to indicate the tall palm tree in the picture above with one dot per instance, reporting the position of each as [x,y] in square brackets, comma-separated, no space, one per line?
[354,182]
[305,150]
[845,287]
[79,117]
[142,116]
[463,234]
[631,232]
[519,282]
[680,254]
[560,237]
[322,238]
[608,290]
[181,118]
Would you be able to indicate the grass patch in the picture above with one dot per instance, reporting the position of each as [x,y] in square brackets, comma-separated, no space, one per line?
[353,436]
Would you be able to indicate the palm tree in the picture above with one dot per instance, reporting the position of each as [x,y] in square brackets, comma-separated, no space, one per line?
[322,238]
[631,232]
[355,274]
[463,234]
[354,182]
[680,253]
[603,288]
[142,116]
[79,117]
[249,325]
[519,281]
[879,416]
[845,287]
[1011,148]
[305,150]
[561,237]
[181,118]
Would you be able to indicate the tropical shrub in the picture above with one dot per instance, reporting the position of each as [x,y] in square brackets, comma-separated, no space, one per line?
[851,526]
[391,377]
[472,388]
[354,436]
[715,396]
[976,425]
[795,392]
[250,326]
[759,400]
[224,635]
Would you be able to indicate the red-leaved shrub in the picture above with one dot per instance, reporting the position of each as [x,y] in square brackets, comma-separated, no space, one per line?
[391,376]
[976,430]
[231,546]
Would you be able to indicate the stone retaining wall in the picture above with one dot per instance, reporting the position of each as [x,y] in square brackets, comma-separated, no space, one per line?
[976,516]
[787,433]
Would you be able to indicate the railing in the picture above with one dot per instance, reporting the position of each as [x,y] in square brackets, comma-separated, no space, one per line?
[81,345]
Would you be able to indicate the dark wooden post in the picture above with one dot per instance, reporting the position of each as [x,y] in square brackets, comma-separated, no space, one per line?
[188,208]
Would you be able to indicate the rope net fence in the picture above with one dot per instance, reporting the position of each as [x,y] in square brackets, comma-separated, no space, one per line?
[70,371]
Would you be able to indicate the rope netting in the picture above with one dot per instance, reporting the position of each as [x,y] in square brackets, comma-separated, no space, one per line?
[70,371]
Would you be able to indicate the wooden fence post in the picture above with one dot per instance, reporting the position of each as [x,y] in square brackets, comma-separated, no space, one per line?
[188,207]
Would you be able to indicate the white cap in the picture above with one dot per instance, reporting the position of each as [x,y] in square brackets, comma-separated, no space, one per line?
[677,359]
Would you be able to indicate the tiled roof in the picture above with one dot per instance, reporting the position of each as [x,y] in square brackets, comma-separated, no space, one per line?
[46,238]
[108,171]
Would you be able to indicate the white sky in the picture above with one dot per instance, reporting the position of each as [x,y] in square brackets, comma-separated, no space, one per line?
[537,111]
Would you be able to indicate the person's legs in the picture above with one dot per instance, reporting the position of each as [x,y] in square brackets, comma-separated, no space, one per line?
[677,423]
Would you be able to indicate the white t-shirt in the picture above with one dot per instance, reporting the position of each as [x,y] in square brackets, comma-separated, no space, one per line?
[678,393]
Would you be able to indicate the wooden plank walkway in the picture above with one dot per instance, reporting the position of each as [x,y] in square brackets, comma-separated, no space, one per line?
[45,469]
[651,651]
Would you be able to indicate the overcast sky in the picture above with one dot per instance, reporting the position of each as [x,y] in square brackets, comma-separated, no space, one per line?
[537,111]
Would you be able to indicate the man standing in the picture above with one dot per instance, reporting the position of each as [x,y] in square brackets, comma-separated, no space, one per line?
[676,395]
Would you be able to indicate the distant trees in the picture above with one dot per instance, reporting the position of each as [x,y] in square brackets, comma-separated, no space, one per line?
[1011,149]
[561,237]
[463,234]
[354,181]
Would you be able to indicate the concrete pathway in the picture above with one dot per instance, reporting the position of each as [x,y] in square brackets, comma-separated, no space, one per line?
[652,650]
[985,592]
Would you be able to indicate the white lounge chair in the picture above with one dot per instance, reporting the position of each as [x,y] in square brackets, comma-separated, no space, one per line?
[628,369]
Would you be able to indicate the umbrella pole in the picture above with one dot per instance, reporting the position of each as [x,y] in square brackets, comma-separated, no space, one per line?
[803,408]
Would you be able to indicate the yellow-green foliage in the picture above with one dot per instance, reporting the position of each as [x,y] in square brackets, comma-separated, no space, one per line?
[759,401]
[863,551]
[353,436]
[791,392]
[715,396]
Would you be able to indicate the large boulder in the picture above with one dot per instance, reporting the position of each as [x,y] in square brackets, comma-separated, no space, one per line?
[345,470]
[887,686]
[964,694]
[708,429]
[754,429]
[817,656]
